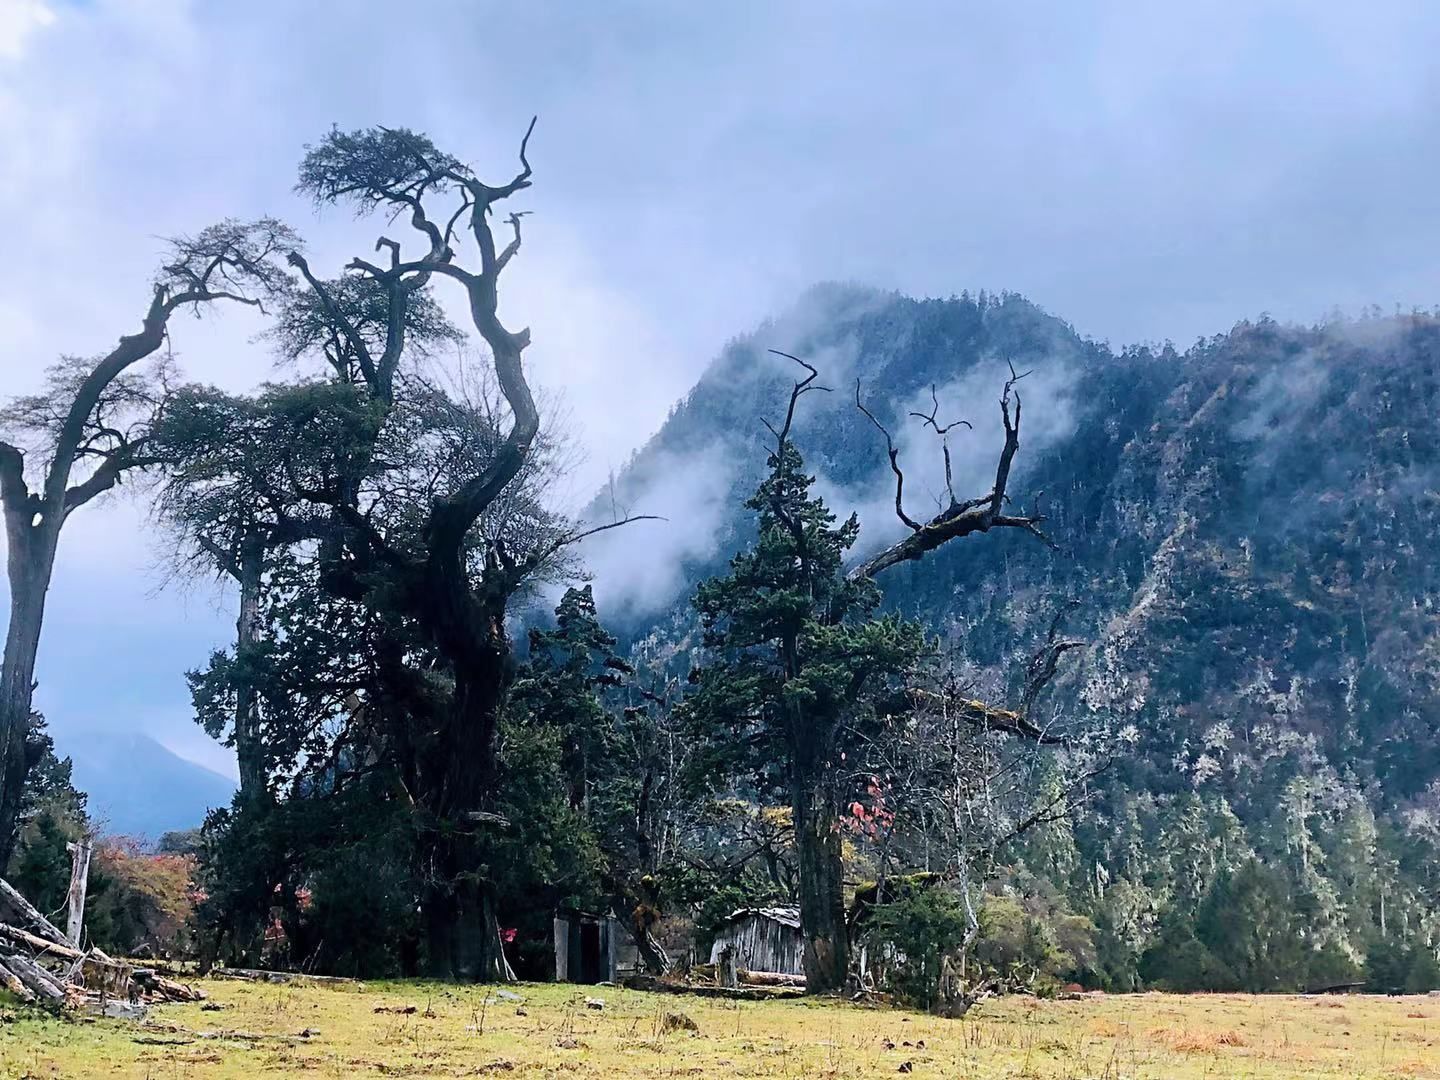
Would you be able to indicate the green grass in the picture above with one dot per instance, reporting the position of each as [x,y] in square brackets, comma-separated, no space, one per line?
[467,1032]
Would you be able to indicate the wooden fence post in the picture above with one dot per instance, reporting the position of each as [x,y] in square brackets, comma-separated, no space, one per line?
[79,878]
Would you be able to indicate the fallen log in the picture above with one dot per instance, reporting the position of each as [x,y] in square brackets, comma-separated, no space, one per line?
[81,978]
[1337,988]
[152,982]
[11,982]
[94,969]
[734,993]
[38,944]
[22,915]
[281,977]
[41,983]
[20,911]
[770,978]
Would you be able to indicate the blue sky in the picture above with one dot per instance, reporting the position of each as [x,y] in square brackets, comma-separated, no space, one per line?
[1146,171]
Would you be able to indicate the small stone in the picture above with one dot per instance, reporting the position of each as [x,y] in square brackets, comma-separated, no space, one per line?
[594,1003]
[678,1021]
[116,1010]
[521,1012]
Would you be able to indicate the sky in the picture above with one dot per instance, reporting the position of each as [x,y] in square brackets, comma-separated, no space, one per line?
[1145,171]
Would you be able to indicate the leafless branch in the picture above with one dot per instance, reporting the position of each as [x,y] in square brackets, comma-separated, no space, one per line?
[801,388]
[961,518]
[894,456]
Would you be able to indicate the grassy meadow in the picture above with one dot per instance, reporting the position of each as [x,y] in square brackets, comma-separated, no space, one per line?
[418,1029]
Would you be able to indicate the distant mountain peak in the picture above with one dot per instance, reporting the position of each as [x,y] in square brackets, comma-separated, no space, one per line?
[138,787]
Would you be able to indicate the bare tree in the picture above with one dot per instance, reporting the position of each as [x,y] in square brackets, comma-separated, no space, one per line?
[91,425]
[965,781]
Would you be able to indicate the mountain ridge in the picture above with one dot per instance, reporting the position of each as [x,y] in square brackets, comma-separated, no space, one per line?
[1246,529]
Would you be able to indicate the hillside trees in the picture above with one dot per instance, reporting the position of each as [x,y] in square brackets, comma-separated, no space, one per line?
[78,437]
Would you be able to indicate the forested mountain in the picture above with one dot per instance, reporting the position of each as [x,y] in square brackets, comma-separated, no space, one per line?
[1246,529]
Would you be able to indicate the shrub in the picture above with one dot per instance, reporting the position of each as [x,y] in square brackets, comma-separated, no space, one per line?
[138,898]
[917,928]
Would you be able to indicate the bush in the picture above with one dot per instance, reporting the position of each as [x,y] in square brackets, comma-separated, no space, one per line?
[137,898]
[1394,966]
[916,930]
[1032,949]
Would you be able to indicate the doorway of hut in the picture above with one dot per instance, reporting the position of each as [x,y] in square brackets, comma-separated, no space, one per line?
[584,947]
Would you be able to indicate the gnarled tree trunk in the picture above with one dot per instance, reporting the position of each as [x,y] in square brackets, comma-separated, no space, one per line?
[822,883]
[31,562]
[458,786]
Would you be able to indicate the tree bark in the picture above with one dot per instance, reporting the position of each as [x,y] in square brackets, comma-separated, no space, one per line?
[248,749]
[43,984]
[79,883]
[822,883]
[462,929]
[31,562]
[458,784]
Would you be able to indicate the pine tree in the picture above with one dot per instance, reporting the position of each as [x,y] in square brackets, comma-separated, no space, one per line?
[800,663]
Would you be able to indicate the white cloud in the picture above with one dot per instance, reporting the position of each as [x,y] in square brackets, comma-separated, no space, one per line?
[19,21]
[640,568]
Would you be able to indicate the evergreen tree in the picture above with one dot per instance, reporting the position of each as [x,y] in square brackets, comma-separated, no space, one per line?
[568,669]
[800,664]
[52,815]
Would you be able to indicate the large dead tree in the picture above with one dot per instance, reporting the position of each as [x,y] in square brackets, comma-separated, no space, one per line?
[91,426]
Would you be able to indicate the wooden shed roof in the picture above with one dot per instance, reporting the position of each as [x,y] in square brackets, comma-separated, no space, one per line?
[786,914]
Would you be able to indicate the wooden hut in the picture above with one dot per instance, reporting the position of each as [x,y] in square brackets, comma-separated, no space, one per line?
[763,939]
[592,948]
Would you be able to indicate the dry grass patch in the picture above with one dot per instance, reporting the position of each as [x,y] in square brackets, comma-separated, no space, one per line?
[422,1029]
[1198,1042]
